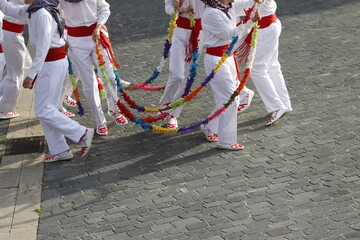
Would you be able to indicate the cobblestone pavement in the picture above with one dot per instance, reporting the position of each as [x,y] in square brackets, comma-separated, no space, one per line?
[298,179]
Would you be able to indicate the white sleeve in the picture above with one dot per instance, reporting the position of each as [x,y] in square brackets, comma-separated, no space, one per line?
[1,33]
[44,28]
[15,11]
[103,12]
[169,7]
[215,23]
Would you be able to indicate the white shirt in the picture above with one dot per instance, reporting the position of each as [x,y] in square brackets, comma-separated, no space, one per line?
[15,20]
[219,30]
[267,8]
[84,13]
[198,7]
[43,33]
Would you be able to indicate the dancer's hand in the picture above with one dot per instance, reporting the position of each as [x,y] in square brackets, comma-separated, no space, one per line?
[191,9]
[66,46]
[259,1]
[186,10]
[178,3]
[257,16]
[27,83]
[96,33]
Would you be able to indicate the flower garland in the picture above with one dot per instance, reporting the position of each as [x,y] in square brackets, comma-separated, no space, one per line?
[188,97]
[150,127]
[193,41]
[145,85]
[190,80]
[101,64]
[133,105]
[75,89]
[101,88]
[104,72]
[182,101]
[192,19]
[123,109]
[100,85]
[218,112]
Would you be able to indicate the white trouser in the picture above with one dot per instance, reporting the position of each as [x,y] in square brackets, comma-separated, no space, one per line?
[84,58]
[68,87]
[2,66]
[243,95]
[178,67]
[67,90]
[56,126]
[18,62]
[244,92]
[223,86]
[266,72]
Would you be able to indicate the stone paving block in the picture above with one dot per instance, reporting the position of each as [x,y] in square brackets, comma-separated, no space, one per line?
[23,219]
[10,177]
[5,224]
[23,233]
[4,236]
[11,162]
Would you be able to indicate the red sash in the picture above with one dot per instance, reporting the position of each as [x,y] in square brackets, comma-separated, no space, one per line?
[1,50]
[183,22]
[263,23]
[55,54]
[267,21]
[82,31]
[219,51]
[13,27]
[106,44]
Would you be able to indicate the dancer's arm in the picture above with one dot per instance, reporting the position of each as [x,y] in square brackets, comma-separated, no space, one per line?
[15,11]
[43,26]
[103,12]
[216,24]
[169,7]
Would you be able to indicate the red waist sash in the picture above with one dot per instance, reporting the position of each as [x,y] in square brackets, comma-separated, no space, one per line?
[1,50]
[55,54]
[267,21]
[217,51]
[82,31]
[183,22]
[12,27]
